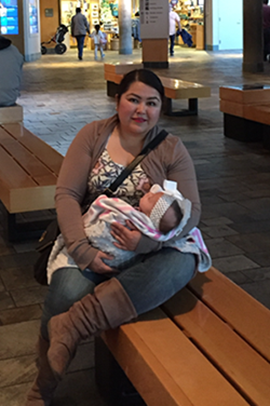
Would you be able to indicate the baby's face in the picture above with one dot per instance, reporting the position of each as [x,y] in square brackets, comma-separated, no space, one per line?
[148,201]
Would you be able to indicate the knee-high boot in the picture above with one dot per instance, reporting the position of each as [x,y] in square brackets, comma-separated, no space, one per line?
[108,307]
[45,383]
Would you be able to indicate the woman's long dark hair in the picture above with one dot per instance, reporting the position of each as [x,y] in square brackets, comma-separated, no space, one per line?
[145,76]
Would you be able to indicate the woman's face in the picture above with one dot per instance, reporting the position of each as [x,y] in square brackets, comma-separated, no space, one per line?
[139,109]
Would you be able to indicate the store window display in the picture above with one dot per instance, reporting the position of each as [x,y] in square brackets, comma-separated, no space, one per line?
[191,13]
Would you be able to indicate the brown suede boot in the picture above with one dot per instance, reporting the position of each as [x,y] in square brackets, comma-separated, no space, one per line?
[108,307]
[45,383]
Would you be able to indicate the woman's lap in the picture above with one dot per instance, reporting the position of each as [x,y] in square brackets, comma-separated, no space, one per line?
[148,283]
[157,278]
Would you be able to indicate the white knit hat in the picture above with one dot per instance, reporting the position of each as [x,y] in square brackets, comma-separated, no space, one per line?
[160,208]
[170,193]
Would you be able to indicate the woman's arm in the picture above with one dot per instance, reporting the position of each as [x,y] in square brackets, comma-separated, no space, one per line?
[70,191]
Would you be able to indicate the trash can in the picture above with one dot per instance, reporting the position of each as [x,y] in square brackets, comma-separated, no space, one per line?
[115,44]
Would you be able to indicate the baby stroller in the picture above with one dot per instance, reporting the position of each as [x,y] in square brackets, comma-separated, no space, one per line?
[58,38]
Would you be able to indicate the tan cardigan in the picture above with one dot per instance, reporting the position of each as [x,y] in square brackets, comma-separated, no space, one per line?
[170,160]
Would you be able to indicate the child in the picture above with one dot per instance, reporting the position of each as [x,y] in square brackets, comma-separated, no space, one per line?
[161,215]
[99,40]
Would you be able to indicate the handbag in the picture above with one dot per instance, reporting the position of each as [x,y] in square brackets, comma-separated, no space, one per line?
[49,236]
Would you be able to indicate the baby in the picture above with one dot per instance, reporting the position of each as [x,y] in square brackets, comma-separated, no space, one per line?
[161,215]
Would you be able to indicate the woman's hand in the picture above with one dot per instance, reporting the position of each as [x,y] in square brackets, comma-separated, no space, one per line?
[98,266]
[127,238]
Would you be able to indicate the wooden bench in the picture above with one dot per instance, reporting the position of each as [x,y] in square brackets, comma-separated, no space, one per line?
[114,72]
[11,114]
[174,89]
[246,113]
[207,346]
[28,172]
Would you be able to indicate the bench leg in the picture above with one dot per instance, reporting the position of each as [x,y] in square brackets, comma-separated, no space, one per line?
[266,136]
[191,111]
[26,231]
[111,380]
[19,231]
[241,129]
[112,89]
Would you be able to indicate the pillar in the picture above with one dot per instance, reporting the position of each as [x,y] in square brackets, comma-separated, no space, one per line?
[124,16]
[154,18]
[253,36]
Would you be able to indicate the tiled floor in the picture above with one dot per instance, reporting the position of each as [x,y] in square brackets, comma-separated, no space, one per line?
[60,94]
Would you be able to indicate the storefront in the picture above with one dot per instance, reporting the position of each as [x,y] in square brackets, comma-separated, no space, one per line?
[191,13]
[103,12]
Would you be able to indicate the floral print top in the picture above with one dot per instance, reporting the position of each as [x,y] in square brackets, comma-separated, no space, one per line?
[106,171]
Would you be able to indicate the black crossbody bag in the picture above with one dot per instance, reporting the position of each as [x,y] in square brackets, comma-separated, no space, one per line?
[49,236]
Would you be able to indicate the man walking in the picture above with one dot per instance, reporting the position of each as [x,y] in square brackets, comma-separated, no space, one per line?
[174,20]
[79,28]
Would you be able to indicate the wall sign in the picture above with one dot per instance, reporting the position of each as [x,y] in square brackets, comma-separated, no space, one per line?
[154,17]
[48,12]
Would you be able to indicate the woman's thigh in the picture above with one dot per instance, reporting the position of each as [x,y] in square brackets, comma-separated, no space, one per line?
[68,285]
[157,278]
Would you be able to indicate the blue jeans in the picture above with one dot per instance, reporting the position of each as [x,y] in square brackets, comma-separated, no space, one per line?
[148,283]
[172,39]
[80,44]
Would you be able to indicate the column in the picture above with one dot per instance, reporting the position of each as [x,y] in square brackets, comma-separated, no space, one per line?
[253,37]
[154,18]
[124,16]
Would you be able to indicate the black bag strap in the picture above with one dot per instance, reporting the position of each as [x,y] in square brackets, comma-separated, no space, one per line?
[145,151]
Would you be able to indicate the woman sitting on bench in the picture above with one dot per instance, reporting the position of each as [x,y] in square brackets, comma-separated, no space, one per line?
[97,155]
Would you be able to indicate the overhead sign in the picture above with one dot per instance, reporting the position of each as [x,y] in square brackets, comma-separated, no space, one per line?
[154,18]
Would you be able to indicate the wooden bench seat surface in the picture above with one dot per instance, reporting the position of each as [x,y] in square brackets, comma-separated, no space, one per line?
[121,68]
[174,88]
[28,170]
[238,95]
[44,152]
[28,162]
[165,367]
[204,361]
[232,355]
[236,307]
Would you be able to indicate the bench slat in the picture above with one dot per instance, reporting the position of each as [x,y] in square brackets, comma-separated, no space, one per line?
[172,370]
[224,297]
[233,356]
[38,172]
[46,154]
[16,175]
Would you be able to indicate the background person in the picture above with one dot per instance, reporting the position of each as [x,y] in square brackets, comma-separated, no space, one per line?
[99,39]
[11,62]
[79,28]
[174,20]
[99,152]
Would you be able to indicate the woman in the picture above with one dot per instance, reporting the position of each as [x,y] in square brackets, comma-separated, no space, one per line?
[95,158]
